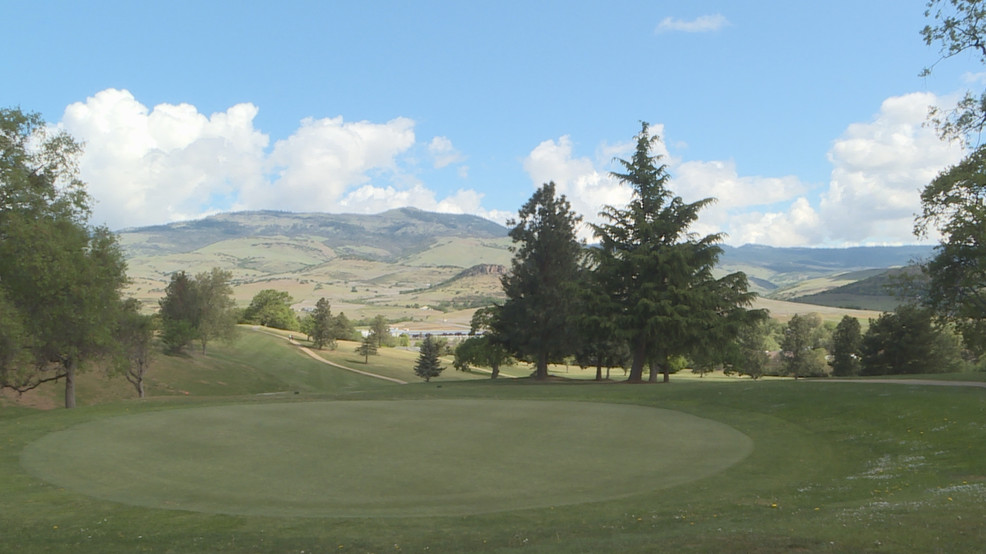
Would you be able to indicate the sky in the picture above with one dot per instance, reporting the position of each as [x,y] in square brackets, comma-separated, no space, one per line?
[805,120]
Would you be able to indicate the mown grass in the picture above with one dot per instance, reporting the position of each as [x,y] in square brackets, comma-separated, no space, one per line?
[836,467]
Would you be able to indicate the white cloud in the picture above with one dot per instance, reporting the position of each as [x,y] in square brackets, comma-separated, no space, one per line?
[148,166]
[588,189]
[879,170]
[169,163]
[701,24]
[443,153]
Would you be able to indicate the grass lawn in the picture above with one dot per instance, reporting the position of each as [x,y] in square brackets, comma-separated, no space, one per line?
[493,466]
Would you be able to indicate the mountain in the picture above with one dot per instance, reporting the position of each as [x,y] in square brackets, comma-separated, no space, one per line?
[776,271]
[876,291]
[408,264]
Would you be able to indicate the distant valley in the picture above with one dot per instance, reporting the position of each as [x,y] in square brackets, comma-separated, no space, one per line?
[431,268]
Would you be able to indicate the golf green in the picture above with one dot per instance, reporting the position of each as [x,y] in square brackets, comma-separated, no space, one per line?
[384,458]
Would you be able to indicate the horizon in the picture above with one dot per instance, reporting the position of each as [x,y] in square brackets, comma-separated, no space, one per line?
[463,108]
[505,228]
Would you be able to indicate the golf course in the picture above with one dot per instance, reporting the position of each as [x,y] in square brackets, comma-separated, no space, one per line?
[258,447]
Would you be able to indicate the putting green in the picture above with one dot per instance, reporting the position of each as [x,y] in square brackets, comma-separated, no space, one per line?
[384,458]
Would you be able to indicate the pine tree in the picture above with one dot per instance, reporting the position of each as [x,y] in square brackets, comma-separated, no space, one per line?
[321,325]
[367,347]
[428,364]
[536,323]
[658,275]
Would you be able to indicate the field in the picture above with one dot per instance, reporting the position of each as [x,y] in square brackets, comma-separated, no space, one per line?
[258,447]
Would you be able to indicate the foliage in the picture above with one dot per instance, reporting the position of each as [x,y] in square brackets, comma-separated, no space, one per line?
[907,341]
[748,350]
[536,323]
[135,337]
[803,356]
[367,347]
[428,364]
[846,343]
[60,279]
[954,203]
[662,294]
[380,331]
[958,26]
[271,308]
[199,308]
[320,329]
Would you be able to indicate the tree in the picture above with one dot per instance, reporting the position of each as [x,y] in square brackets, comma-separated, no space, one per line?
[179,312]
[536,323]
[954,203]
[658,275]
[342,328]
[380,330]
[60,278]
[958,26]
[271,308]
[321,325]
[802,357]
[486,347]
[428,364]
[846,342]
[367,347]
[748,355]
[906,341]
[135,336]
[199,308]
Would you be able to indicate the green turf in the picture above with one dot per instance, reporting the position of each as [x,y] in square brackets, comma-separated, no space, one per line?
[371,458]
[835,467]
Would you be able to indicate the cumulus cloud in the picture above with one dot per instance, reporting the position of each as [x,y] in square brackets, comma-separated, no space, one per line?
[879,170]
[148,166]
[701,24]
[587,188]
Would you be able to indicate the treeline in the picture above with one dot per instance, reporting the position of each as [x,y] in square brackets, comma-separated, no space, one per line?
[646,296]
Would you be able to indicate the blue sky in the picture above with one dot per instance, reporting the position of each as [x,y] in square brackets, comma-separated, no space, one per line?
[803,119]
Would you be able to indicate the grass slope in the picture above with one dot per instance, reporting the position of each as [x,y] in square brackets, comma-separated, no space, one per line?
[835,467]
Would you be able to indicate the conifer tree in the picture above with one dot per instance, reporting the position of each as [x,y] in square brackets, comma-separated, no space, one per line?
[428,364]
[536,323]
[658,274]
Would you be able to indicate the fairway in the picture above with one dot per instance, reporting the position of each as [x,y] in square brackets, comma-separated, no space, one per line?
[384,458]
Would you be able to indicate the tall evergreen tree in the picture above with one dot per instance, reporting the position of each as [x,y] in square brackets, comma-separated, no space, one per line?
[537,321]
[321,325]
[428,364]
[664,298]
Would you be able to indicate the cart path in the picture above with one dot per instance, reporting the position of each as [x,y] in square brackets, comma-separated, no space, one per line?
[315,356]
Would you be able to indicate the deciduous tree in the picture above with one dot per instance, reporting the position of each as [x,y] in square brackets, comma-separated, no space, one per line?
[60,277]
[271,308]
[135,336]
[802,357]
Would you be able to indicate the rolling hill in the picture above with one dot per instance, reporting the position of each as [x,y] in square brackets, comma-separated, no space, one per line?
[405,263]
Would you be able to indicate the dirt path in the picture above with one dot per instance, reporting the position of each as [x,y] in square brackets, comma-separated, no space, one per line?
[315,356]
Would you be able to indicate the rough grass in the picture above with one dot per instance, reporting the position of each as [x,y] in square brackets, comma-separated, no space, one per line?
[836,467]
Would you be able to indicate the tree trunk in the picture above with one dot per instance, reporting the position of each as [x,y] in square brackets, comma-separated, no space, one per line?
[70,367]
[496,370]
[654,367]
[599,371]
[542,367]
[140,388]
[639,358]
